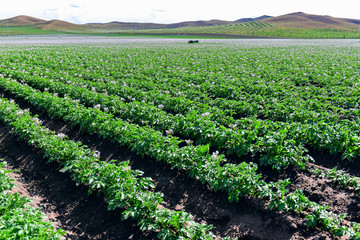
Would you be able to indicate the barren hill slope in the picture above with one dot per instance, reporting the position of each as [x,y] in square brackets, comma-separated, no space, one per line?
[264,26]
[303,20]
[26,21]
[56,24]
[22,20]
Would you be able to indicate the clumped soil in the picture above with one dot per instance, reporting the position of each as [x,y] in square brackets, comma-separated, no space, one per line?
[86,217]
[69,206]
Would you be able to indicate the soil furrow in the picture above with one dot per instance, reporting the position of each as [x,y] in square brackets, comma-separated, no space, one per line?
[246,219]
[80,215]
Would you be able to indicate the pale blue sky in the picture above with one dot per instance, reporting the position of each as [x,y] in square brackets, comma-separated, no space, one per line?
[170,11]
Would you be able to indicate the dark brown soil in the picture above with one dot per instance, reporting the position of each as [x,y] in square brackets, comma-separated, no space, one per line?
[320,190]
[86,217]
[80,215]
[323,191]
[325,159]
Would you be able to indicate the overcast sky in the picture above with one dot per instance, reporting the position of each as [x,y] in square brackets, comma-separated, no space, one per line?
[170,11]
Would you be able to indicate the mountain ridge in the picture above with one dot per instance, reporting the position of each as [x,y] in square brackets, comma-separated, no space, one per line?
[304,20]
[26,21]
[296,20]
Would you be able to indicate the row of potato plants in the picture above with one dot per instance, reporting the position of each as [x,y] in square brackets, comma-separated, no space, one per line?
[257,95]
[336,137]
[121,186]
[257,105]
[18,220]
[256,92]
[278,110]
[200,129]
[254,98]
[179,63]
[289,151]
[236,180]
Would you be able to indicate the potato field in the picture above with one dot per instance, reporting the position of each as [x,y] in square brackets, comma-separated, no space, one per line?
[242,139]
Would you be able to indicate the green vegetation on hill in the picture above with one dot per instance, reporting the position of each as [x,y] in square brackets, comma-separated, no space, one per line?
[327,33]
[293,25]
[25,30]
[257,29]
[303,20]
[244,29]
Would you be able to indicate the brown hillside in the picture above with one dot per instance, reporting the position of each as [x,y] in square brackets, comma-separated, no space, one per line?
[56,24]
[124,25]
[139,26]
[292,20]
[22,20]
[303,20]
[199,23]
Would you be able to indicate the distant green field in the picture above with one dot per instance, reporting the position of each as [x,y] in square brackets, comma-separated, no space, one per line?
[257,29]
[238,30]
[25,30]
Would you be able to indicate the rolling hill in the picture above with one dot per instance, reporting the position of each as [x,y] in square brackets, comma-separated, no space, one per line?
[29,25]
[303,20]
[241,20]
[57,24]
[293,25]
[116,26]
[21,20]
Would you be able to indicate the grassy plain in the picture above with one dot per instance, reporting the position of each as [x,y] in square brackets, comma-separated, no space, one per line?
[25,30]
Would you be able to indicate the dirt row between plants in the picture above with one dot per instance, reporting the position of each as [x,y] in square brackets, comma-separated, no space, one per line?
[322,190]
[80,215]
[86,217]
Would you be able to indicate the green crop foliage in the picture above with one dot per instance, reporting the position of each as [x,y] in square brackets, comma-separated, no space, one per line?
[19,220]
[194,107]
